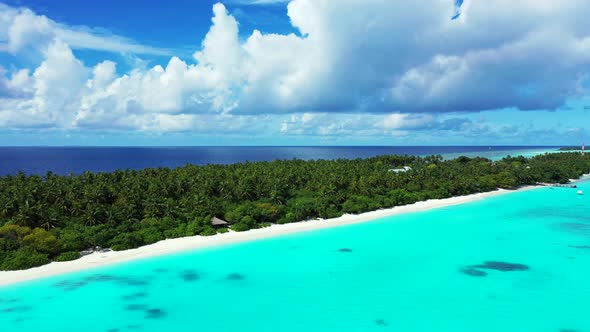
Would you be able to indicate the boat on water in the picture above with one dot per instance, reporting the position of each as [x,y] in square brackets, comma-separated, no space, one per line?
[580,192]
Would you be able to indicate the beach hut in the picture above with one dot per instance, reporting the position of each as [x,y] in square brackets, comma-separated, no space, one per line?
[218,223]
[401,170]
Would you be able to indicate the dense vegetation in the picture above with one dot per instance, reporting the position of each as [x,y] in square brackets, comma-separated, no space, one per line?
[55,217]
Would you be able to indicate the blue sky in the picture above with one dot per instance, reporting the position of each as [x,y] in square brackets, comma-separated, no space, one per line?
[300,72]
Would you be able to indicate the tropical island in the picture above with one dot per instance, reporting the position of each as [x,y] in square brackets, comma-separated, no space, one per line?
[55,218]
[571,148]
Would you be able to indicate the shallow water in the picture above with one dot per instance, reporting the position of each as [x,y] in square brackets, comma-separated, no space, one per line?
[517,262]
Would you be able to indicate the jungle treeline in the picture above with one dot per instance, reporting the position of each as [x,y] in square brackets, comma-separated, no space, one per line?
[54,217]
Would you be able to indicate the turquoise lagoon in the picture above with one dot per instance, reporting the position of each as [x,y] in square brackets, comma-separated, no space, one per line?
[497,155]
[416,272]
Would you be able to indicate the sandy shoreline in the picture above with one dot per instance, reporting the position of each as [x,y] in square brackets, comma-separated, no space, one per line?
[196,242]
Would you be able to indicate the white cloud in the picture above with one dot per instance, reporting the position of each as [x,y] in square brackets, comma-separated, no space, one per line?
[22,30]
[351,57]
[398,121]
[57,83]
[346,124]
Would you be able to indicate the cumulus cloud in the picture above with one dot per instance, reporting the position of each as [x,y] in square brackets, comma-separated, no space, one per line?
[396,124]
[380,66]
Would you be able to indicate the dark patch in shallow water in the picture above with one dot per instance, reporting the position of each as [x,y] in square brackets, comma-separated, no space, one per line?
[470,271]
[23,308]
[5,300]
[189,275]
[501,266]
[133,326]
[576,227]
[235,276]
[345,250]
[133,281]
[100,278]
[113,330]
[580,247]
[70,285]
[133,296]
[154,313]
[130,281]
[476,270]
[568,330]
[574,213]
[160,270]
[136,307]
[381,322]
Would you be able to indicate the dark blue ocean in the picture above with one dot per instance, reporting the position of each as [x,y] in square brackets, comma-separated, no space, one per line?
[66,160]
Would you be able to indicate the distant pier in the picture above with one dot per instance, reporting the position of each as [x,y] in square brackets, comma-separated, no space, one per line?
[559,185]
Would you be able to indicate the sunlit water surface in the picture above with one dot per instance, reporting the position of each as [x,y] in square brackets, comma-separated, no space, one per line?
[417,272]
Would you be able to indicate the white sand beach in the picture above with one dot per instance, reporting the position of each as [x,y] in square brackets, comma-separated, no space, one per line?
[99,259]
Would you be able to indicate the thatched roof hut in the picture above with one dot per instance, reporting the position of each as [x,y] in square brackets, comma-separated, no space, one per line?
[216,222]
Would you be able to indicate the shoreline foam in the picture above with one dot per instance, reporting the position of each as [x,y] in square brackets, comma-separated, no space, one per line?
[171,246]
